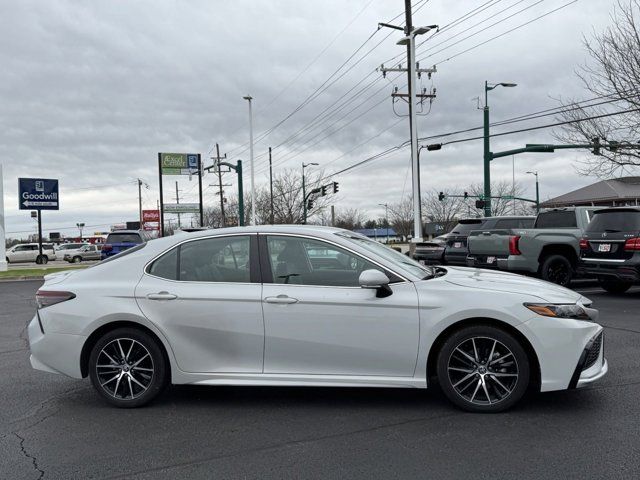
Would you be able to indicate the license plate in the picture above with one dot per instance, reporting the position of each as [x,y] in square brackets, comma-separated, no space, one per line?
[491,259]
[604,247]
[457,245]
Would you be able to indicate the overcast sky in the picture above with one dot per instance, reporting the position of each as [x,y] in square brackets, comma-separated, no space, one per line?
[91,91]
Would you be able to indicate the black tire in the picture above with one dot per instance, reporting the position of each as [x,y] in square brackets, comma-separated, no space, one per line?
[471,394]
[76,259]
[101,373]
[43,259]
[614,286]
[557,269]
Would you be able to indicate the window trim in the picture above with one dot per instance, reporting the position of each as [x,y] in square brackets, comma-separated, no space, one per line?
[254,270]
[267,274]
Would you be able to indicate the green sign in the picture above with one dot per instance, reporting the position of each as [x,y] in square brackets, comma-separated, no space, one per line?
[181,207]
[178,163]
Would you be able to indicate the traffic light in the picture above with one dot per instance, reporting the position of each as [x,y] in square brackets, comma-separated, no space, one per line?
[480,204]
[335,187]
[466,195]
[309,204]
[441,196]
[325,190]
[596,146]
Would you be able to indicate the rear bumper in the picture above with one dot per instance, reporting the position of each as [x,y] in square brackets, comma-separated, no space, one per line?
[456,258]
[55,352]
[517,263]
[623,272]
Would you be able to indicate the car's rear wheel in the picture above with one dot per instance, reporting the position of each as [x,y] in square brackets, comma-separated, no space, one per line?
[127,367]
[557,269]
[42,259]
[614,286]
[482,368]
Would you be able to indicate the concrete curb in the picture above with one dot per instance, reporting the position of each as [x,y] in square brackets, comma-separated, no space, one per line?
[23,278]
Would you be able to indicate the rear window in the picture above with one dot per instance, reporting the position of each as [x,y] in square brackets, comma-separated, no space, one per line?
[464,228]
[124,238]
[557,219]
[124,253]
[620,221]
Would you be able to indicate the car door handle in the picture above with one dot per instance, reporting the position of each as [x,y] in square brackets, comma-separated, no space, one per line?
[162,296]
[281,299]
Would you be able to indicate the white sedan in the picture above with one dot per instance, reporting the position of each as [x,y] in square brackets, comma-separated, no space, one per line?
[316,306]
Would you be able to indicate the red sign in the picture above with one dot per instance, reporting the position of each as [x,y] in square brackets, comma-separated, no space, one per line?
[150,216]
[151,227]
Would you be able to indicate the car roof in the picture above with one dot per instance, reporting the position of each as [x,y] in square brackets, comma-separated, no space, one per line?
[630,208]
[300,229]
[125,231]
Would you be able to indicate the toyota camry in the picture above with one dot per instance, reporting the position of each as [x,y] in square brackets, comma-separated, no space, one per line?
[309,306]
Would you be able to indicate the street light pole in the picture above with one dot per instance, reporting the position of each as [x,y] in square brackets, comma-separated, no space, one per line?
[304,192]
[487,146]
[253,185]
[3,254]
[386,217]
[537,191]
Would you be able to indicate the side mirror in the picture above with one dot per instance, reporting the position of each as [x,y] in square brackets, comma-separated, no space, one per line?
[376,280]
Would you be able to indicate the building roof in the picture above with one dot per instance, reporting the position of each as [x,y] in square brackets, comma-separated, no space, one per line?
[622,189]
[376,232]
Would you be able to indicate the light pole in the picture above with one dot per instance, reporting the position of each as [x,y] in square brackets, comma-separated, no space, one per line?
[537,191]
[304,192]
[80,227]
[253,185]
[386,217]
[487,147]
[3,255]
[410,41]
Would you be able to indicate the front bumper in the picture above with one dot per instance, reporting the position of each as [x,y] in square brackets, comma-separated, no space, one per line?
[560,345]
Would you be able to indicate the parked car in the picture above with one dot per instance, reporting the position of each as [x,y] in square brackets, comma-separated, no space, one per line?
[432,251]
[549,250]
[120,240]
[456,251]
[83,254]
[309,305]
[65,247]
[30,252]
[610,248]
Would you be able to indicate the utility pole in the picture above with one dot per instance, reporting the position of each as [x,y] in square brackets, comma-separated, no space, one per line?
[271,184]
[3,255]
[218,159]
[178,202]
[253,185]
[410,41]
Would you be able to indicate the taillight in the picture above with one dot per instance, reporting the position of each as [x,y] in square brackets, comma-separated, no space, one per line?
[106,247]
[584,244]
[46,298]
[633,244]
[513,245]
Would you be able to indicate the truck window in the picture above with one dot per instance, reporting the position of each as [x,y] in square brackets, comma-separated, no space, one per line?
[557,219]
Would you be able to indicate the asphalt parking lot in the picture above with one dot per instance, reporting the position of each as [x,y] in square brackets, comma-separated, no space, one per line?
[54,427]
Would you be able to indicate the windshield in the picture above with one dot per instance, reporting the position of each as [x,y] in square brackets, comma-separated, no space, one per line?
[390,254]
[615,221]
[463,228]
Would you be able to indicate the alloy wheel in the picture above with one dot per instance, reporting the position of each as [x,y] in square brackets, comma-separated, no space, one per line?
[125,369]
[558,273]
[482,370]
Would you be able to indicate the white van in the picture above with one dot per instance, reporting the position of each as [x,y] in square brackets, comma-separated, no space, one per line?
[28,252]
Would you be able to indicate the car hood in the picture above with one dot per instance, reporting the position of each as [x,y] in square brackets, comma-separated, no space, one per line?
[511,283]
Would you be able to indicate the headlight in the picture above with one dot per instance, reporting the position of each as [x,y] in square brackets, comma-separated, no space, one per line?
[559,310]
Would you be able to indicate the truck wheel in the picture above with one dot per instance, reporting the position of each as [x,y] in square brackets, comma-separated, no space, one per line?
[614,286]
[557,269]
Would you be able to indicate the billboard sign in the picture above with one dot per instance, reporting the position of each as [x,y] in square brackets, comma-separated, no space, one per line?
[38,194]
[181,207]
[150,216]
[178,163]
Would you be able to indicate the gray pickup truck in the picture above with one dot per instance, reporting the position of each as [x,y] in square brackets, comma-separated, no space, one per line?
[549,250]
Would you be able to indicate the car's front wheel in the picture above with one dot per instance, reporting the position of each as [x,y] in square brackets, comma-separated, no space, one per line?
[76,259]
[482,368]
[128,368]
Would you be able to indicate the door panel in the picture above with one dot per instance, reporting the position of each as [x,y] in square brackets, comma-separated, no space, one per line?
[337,329]
[212,326]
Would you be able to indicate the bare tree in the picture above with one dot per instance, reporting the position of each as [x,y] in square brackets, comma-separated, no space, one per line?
[613,77]
[446,211]
[349,219]
[500,204]
[401,216]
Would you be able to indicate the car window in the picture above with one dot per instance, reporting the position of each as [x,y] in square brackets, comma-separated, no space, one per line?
[221,259]
[124,238]
[166,266]
[463,228]
[615,221]
[507,223]
[526,222]
[303,261]
[556,219]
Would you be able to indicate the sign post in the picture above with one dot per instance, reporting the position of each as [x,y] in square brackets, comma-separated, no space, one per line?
[38,194]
